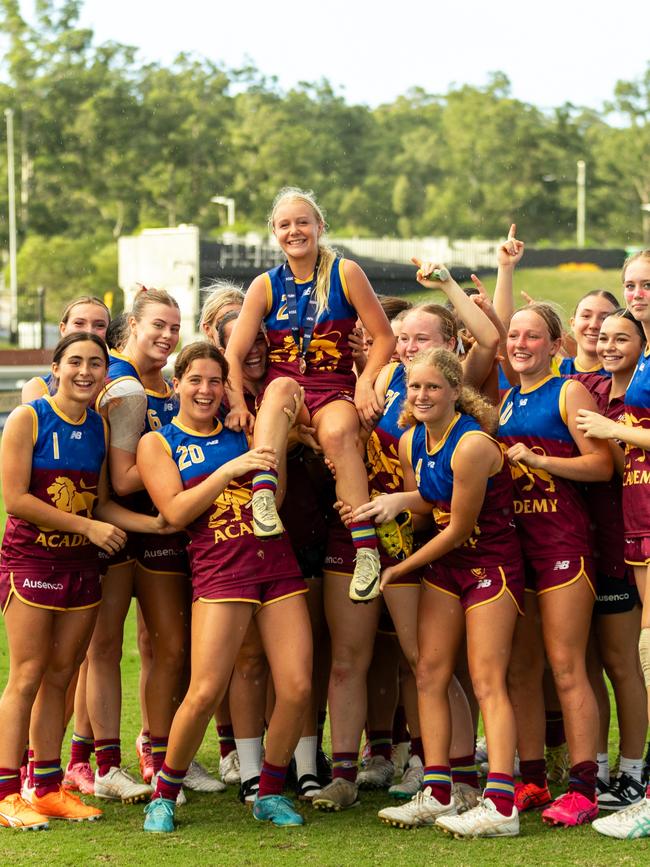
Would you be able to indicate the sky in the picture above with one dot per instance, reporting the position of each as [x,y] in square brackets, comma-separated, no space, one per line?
[371,52]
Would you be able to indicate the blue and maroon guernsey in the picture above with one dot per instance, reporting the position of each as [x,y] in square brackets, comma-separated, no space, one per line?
[222,542]
[494,540]
[161,406]
[636,473]
[66,466]
[385,475]
[329,357]
[570,366]
[47,384]
[549,511]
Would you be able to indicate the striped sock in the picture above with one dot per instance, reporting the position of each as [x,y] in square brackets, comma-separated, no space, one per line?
[345,765]
[438,779]
[158,750]
[266,481]
[363,534]
[463,770]
[9,782]
[582,778]
[48,776]
[108,755]
[381,743]
[169,783]
[500,789]
[272,779]
[226,740]
[80,749]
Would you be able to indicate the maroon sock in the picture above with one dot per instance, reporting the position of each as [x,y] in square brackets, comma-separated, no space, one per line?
[381,743]
[555,736]
[533,771]
[417,749]
[322,716]
[271,779]
[582,778]
[400,731]
[158,751]
[463,770]
[226,740]
[169,783]
[9,782]
[500,789]
[438,779]
[80,749]
[108,755]
[345,765]
[30,768]
[48,776]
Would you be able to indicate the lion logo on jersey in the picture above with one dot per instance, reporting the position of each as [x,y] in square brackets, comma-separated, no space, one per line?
[639,453]
[230,502]
[521,470]
[442,519]
[65,496]
[379,462]
[322,353]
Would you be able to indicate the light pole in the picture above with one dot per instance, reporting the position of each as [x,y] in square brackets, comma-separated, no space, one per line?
[581,203]
[230,205]
[13,270]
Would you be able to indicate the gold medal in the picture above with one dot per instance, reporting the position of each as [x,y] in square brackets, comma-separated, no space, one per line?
[302,365]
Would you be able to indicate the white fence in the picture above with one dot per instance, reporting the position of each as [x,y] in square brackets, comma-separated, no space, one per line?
[471,254]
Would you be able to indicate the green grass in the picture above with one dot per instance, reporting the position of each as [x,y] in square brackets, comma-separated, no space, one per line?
[217,829]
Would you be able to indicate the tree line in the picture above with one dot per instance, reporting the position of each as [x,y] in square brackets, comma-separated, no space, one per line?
[107,146]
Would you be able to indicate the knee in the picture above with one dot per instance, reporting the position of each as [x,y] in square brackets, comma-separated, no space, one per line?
[487,683]
[295,690]
[431,674]
[169,654]
[25,680]
[58,674]
[347,665]
[338,437]
[566,670]
[281,391]
[105,648]
[201,701]
[621,666]
[252,665]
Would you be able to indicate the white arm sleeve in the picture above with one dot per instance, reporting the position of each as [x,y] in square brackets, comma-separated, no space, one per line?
[126,404]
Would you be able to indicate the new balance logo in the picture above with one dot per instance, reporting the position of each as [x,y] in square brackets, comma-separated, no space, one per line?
[560,565]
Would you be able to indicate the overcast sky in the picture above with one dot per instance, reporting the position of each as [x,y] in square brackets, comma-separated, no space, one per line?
[371,52]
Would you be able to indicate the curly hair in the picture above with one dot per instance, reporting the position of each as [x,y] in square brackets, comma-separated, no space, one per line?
[468,401]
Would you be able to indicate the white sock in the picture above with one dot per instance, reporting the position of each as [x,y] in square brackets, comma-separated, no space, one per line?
[632,767]
[603,767]
[305,756]
[250,757]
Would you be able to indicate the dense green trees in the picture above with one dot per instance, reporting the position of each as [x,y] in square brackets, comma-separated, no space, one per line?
[105,146]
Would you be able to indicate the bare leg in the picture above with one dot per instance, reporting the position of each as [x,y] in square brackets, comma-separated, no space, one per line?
[352,630]
[104,682]
[286,636]
[566,619]
[525,681]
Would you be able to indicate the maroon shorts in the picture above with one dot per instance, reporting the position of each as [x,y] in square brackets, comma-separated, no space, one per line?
[164,554]
[637,550]
[340,554]
[58,589]
[552,573]
[317,398]
[262,593]
[474,587]
[125,555]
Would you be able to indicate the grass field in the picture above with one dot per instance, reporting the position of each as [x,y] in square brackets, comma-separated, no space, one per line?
[217,829]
